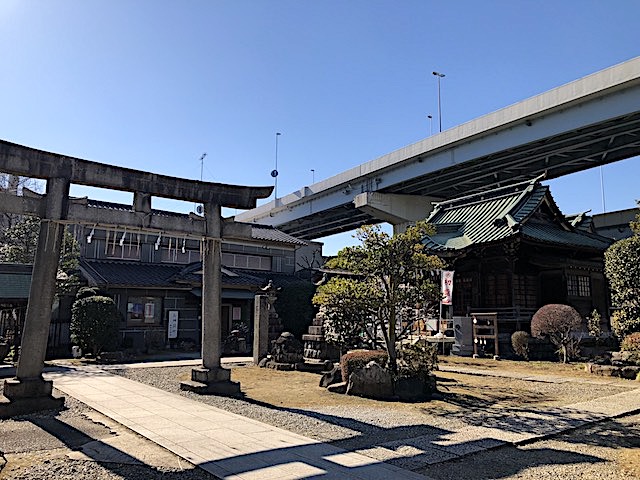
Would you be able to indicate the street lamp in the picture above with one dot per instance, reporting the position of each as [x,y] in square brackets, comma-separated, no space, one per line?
[439,75]
[430,117]
[274,172]
[313,176]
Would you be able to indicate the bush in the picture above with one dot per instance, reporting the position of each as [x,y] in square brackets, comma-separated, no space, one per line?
[593,324]
[520,343]
[624,322]
[558,322]
[353,361]
[622,268]
[417,360]
[631,343]
[94,324]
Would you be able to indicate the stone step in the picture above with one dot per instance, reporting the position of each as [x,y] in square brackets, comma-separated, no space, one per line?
[312,338]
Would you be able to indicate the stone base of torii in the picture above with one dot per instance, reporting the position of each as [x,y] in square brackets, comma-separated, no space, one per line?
[28,391]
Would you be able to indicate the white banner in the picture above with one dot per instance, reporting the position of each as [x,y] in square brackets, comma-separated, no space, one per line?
[173,324]
[447,287]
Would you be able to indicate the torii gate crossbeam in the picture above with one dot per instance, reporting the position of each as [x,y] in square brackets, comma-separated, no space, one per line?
[28,391]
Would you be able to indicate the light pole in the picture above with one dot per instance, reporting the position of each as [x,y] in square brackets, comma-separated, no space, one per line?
[439,75]
[274,172]
[313,176]
[430,117]
[196,207]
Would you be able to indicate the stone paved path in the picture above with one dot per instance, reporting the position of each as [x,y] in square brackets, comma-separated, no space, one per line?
[225,444]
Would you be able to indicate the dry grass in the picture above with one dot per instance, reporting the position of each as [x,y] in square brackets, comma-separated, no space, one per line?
[532,367]
[460,392]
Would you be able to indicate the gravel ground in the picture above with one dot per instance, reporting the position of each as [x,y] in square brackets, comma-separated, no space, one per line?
[607,450]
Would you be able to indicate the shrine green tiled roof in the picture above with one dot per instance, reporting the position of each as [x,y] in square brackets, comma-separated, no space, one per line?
[549,233]
[499,214]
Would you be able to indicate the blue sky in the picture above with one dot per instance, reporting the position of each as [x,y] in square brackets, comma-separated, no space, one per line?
[153,84]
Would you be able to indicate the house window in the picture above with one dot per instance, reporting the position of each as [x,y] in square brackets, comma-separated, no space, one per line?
[175,255]
[578,286]
[144,310]
[252,262]
[125,252]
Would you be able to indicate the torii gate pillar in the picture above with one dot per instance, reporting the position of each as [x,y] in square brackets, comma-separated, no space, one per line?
[211,377]
[28,391]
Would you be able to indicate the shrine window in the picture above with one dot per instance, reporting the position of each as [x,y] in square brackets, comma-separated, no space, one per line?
[462,294]
[497,290]
[578,285]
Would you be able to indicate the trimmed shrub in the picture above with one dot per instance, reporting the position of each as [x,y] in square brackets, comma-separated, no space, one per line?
[353,361]
[631,343]
[520,343]
[558,322]
[94,324]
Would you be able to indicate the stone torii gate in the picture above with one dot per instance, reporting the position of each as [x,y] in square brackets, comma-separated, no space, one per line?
[28,391]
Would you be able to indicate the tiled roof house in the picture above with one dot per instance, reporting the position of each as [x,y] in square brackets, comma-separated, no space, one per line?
[150,275]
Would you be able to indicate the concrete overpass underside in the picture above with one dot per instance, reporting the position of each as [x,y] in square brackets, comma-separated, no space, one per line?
[591,146]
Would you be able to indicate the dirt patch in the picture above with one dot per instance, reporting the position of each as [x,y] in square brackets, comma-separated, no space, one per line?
[629,462]
[460,392]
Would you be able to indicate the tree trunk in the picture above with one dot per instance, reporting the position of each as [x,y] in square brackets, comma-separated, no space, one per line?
[391,345]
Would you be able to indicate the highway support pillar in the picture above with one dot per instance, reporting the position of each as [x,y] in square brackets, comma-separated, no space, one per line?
[398,210]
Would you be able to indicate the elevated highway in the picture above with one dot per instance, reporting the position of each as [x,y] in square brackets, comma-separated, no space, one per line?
[589,122]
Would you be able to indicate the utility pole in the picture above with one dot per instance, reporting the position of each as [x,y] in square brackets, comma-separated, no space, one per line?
[274,172]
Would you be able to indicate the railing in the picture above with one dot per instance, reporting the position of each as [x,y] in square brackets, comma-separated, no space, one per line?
[509,314]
